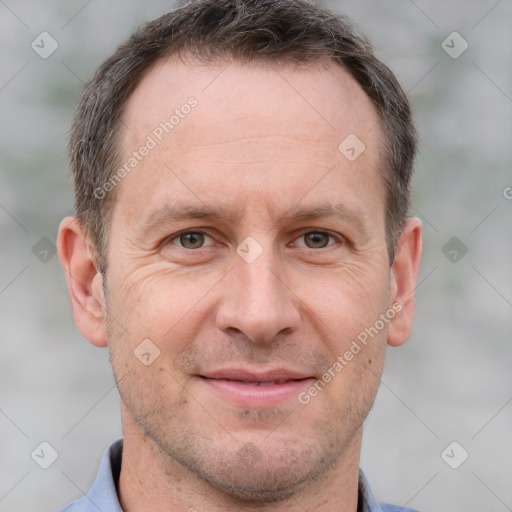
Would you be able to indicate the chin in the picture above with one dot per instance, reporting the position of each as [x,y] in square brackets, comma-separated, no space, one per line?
[260,484]
[261,473]
[260,496]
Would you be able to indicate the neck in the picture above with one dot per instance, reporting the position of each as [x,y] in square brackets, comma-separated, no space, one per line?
[151,480]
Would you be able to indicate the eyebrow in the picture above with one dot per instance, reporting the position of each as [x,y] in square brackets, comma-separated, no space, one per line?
[168,214]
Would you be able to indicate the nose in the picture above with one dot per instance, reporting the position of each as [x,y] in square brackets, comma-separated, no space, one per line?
[257,302]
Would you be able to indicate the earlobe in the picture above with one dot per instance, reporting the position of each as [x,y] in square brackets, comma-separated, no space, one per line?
[404,272]
[85,283]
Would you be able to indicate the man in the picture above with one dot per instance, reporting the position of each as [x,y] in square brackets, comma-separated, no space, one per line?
[241,245]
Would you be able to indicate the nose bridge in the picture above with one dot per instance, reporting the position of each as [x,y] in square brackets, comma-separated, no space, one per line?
[256,301]
[261,288]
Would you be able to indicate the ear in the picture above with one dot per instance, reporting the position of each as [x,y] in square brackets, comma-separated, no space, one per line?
[85,283]
[404,272]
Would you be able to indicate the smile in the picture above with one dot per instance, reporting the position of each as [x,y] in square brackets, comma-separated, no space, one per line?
[250,390]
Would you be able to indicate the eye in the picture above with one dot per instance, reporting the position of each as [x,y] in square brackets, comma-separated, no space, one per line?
[316,239]
[189,239]
[196,239]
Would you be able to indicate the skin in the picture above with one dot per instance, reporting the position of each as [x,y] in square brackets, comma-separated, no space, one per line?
[260,141]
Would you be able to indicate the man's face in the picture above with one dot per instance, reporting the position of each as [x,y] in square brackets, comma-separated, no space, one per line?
[227,311]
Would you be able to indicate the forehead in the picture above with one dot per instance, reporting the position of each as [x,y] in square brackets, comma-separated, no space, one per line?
[319,101]
[257,127]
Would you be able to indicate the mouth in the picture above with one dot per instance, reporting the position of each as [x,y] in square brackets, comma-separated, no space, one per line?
[252,389]
[258,382]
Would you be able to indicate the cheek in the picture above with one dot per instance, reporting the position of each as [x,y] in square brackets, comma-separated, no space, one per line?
[347,317]
[350,298]
[159,305]
[143,352]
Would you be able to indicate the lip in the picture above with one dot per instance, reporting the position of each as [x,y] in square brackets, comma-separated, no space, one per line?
[256,389]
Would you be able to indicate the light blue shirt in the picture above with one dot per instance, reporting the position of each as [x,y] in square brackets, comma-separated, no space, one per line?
[103,494]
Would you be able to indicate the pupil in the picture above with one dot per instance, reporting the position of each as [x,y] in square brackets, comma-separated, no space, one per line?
[315,238]
[191,239]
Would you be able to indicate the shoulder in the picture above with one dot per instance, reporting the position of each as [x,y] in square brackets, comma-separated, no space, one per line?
[102,495]
[386,507]
[370,504]
[81,505]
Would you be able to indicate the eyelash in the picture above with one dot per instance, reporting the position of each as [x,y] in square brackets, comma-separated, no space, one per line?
[318,232]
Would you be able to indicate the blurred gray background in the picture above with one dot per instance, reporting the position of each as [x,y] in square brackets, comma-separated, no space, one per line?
[450,383]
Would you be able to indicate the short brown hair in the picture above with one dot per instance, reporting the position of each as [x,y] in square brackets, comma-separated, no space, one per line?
[277,31]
